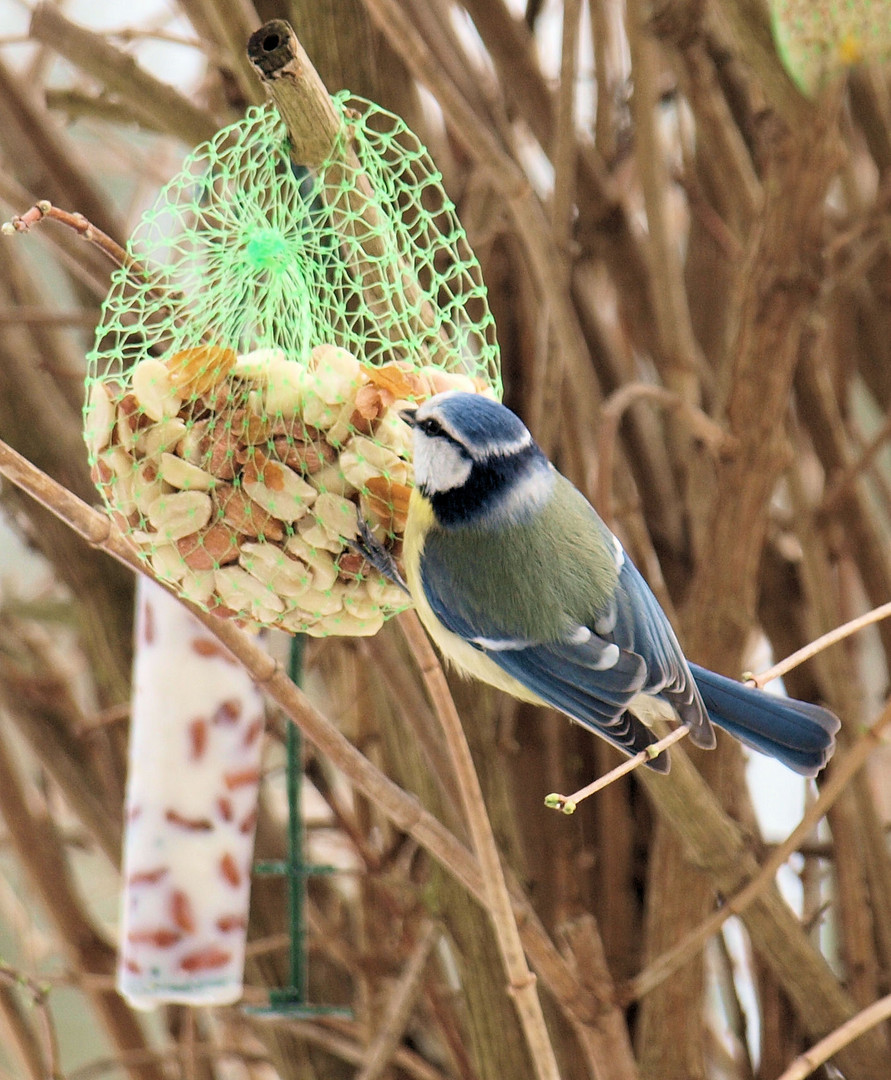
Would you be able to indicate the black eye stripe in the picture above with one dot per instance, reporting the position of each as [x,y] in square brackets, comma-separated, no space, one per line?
[435,429]
[432,427]
[488,482]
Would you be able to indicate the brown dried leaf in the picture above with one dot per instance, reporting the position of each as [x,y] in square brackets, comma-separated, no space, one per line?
[201,369]
[389,501]
[401,382]
[370,401]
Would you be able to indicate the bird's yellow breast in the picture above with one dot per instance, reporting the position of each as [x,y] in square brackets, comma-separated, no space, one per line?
[468,660]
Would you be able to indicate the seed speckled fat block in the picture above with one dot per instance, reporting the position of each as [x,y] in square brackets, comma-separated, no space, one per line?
[196,738]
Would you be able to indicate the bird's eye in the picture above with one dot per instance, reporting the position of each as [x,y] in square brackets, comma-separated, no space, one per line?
[430,426]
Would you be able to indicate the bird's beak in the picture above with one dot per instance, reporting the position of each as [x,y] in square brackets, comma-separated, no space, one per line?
[408,415]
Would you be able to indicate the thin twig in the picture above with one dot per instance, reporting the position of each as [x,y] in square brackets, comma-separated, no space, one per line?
[120,257]
[805,1064]
[832,637]
[22,1044]
[604,49]
[93,235]
[132,33]
[87,272]
[568,804]
[99,721]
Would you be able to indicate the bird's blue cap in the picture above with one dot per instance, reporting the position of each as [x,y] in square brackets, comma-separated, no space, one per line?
[483,426]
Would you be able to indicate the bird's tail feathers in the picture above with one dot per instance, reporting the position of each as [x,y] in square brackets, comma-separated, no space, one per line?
[799,734]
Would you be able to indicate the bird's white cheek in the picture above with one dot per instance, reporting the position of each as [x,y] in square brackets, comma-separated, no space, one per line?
[439,464]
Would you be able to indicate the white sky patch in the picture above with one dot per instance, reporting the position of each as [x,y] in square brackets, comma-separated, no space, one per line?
[778,794]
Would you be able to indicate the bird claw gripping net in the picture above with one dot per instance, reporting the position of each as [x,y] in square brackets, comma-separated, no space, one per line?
[243,394]
[820,39]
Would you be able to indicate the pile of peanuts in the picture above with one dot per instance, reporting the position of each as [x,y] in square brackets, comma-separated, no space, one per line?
[240,478]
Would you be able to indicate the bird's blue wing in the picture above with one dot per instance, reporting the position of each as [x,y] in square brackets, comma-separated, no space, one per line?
[641,626]
[586,675]
[570,678]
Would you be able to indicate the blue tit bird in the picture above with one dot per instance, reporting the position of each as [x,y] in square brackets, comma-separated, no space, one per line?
[522,585]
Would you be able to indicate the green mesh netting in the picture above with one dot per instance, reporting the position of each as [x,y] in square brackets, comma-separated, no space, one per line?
[819,39]
[242,396]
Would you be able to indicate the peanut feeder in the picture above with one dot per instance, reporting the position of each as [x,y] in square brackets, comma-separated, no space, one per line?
[243,394]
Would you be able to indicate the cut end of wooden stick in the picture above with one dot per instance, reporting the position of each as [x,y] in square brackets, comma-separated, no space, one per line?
[313,124]
[271,47]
